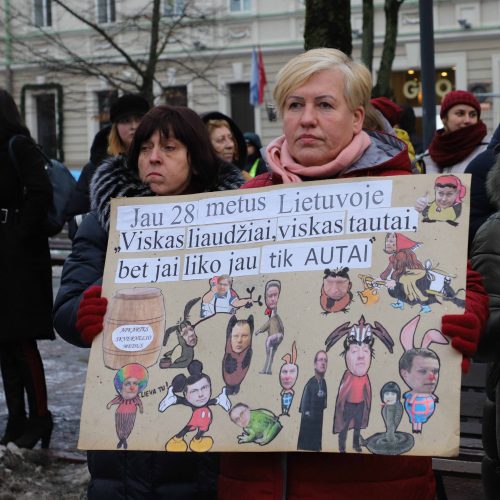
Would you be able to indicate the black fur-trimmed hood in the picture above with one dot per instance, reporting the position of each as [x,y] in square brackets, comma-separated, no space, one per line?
[113,179]
[493,183]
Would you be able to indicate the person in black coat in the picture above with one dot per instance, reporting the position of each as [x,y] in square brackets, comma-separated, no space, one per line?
[26,284]
[79,308]
[255,164]
[125,115]
[480,205]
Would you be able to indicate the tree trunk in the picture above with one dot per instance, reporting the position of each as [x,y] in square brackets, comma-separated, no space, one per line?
[383,86]
[368,34]
[328,24]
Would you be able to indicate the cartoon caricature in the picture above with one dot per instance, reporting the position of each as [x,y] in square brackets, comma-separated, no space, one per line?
[352,408]
[390,442]
[288,376]
[196,390]
[259,426]
[312,406]
[405,276]
[129,381]
[221,298]
[447,204]
[336,292]
[419,368]
[186,341]
[238,353]
[371,288]
[273,326]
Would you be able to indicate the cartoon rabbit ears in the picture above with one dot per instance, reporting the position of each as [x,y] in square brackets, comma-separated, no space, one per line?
[407,336]
[291,358]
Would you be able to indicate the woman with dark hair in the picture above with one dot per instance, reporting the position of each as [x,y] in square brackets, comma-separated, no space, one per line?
[171,154]
[26,284]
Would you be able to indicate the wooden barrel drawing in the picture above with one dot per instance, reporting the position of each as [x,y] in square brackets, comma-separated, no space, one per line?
[134,327]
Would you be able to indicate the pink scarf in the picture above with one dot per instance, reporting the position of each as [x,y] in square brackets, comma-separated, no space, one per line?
[282,163]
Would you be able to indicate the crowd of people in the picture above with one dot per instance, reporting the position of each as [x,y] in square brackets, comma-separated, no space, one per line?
[332,129]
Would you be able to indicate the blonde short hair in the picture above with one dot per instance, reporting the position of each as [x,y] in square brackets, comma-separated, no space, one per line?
[357,77]
[115,144]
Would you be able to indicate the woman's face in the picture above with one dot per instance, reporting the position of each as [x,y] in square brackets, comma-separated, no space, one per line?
[317,122]
[460,116]
[126,128]
[223,143]
[164,165]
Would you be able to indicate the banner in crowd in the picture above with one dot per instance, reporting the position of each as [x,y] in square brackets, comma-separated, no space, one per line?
[295,317]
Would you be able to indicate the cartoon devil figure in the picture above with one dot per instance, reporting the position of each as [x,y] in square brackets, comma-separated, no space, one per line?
[352,408]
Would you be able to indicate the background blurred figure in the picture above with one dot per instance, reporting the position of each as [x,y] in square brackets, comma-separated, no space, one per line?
[485,257]
[481,206]
[462,137]
[255,164]
[227,139]
[392,112]
[408,122]
[125,114]
[26,279]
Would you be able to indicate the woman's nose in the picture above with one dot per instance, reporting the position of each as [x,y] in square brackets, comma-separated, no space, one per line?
[155,155]
[308,116]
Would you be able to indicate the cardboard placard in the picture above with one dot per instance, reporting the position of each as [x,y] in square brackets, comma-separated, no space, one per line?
[295,317]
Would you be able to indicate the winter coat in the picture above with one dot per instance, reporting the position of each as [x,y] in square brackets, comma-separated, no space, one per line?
[432,168]
[273,476]
[480,205]
[127,474]
[485,257]
[80,201]
[25,266]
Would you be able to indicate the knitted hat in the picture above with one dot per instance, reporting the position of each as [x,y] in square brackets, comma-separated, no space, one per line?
[455,97]
[388,108]
[128,104]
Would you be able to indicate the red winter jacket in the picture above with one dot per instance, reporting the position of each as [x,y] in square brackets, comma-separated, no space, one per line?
[333,476]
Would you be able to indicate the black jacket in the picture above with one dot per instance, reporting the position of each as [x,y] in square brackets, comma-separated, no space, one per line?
[80,201]
[127,474]
[25,267]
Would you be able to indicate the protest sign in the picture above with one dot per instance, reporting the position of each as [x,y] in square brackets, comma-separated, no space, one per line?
[295,317]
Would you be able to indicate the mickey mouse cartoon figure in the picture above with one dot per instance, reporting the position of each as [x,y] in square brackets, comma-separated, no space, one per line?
[196,390]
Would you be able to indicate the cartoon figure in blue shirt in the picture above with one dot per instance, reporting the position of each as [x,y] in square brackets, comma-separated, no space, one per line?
[288,376]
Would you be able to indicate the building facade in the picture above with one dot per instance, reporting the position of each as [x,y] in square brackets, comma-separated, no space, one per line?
[207,61]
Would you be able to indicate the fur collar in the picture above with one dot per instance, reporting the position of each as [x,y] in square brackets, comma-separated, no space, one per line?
[113,179]
[493,183]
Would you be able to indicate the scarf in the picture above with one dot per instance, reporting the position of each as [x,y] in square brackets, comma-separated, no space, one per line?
[282,163]
[448,149]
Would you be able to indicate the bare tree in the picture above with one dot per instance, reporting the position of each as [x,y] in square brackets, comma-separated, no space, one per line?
[383,86]
[133,46]
[328,24]
[368,34]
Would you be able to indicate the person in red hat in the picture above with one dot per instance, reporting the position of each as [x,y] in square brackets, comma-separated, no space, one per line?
[462,137]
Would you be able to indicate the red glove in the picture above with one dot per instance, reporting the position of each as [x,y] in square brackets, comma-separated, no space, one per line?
[464,331]
[91,313]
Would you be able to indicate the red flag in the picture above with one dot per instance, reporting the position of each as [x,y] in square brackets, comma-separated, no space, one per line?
[262,76]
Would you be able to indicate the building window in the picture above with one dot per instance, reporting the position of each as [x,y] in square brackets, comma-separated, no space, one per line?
[43,13]
[46,123]
[240,5]
[106,11]
[104,100]
[173,7]
[241,110]
[176,95]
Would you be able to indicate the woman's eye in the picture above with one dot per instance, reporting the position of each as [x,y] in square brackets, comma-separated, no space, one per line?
[325,105]
[145,148]
[294,105]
